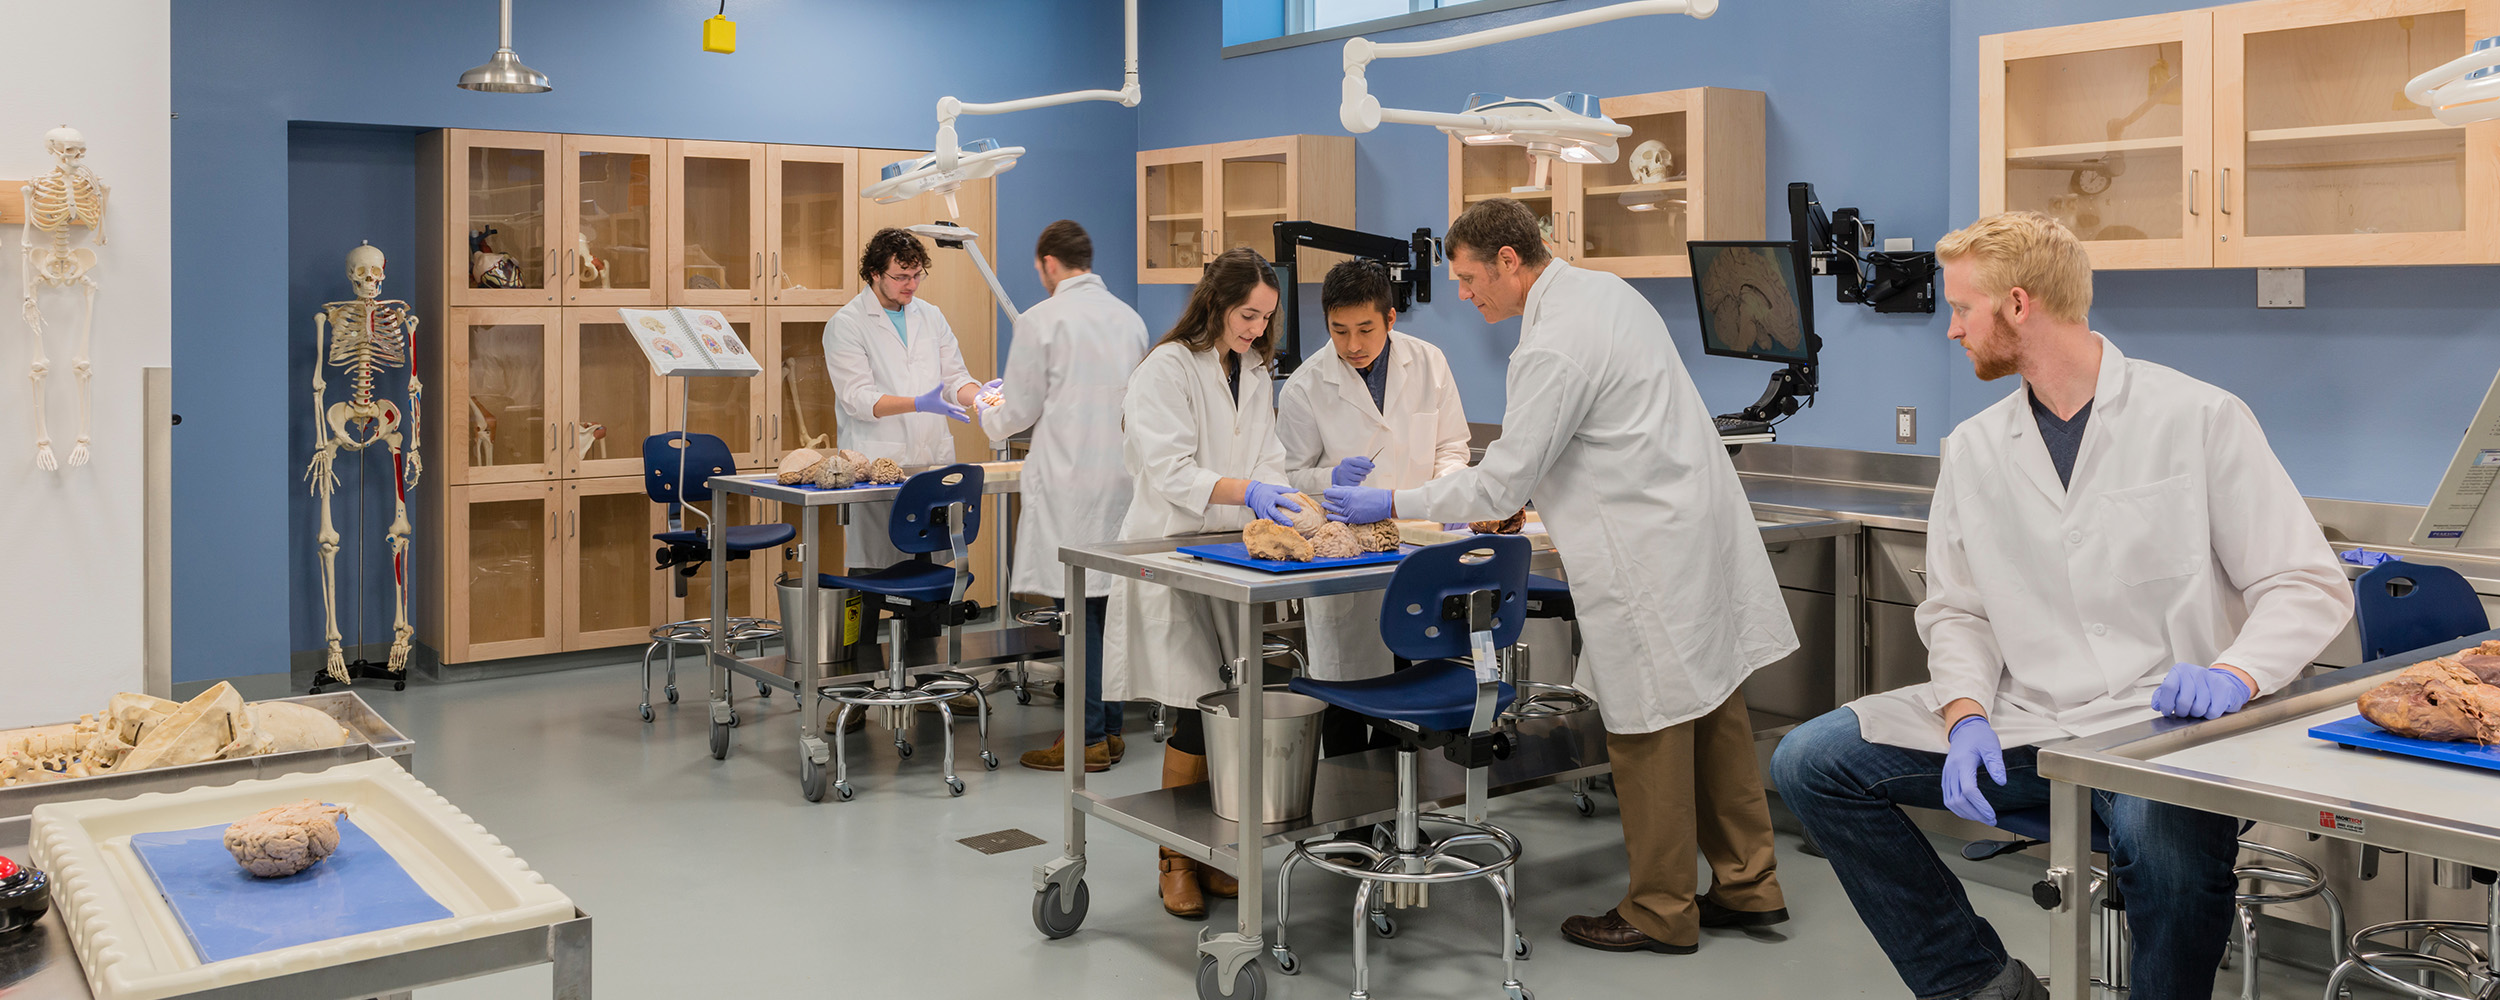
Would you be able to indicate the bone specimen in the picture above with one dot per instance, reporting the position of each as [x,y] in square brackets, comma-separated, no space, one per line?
[1506,526]
[1309,518]
[794,466]
[69,195]
[481,435]
[594,270]
[589,436]
[282,841]
[2438,699]
[1265,539]
[1651,162]
[199,730]
[1334,540]
[284,727]
[136,732]
[366,336]
[1378,536]
[885,470]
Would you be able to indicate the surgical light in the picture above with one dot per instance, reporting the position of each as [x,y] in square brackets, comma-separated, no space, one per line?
[2463,90]
[503,72]
[903,180]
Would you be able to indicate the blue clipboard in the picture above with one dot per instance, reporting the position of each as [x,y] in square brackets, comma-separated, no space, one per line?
[227,913]
[1235,554]
[2360,732]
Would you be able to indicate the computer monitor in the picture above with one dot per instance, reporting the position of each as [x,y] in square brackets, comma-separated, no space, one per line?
[1755,301]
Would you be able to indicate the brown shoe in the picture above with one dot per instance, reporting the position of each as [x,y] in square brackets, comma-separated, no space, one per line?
[1118,746]
[859,721]
[1055,757]
[1179,885]
[1613,933]
[1217,883]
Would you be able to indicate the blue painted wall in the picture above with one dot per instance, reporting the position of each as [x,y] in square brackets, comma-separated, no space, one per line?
[2363,394]
[834,72]
[1881,148]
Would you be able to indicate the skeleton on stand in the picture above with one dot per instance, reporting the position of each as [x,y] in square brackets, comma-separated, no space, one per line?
[70,195]
[365,336]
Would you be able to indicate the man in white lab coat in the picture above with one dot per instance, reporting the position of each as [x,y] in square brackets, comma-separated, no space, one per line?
[898,377]
[1605,431]
[1381,393]
[1067,374]
[2112,542]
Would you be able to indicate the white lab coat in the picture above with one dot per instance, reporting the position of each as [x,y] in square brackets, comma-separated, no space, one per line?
[1066,375]
[1324,415]
[1184,434]
[867,361]
[1606,432]
[2060,608]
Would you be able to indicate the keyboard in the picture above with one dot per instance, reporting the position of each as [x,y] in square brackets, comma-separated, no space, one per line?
[1730,424]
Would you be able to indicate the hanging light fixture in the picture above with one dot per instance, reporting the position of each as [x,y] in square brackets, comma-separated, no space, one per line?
[504,73]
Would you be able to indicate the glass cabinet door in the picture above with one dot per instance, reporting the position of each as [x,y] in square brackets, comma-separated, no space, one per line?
[2321,158]
[500,366]
[801,412]
[717,222]
[611,397]
[810,229]
[1173,229]
[1634,214]
[612,596]
[502,573]
[1257,186]
[2108,128]
[613,206]
[728,408]
[497,184]
[1478,173]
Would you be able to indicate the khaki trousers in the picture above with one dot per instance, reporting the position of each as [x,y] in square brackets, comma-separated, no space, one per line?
[1693,786]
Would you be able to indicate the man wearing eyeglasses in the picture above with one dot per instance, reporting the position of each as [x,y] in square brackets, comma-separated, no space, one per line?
[898,377]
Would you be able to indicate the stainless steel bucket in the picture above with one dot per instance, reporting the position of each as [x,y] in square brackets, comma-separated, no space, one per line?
[1289,725]
[838,622]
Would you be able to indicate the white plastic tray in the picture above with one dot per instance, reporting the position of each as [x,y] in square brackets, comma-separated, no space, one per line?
[131,947]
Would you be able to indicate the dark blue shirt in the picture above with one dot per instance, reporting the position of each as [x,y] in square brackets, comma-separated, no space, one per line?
[1377,378]
[2063,437]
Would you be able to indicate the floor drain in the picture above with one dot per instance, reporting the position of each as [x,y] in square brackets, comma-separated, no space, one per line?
[1001,842]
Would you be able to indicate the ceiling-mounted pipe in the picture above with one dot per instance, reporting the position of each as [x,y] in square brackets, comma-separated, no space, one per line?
[503,73]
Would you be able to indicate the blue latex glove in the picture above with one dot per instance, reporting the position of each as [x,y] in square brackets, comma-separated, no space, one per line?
[938,401]
[1358,504]
[1351,472]
[1974,745]
[1268,500]
[2194,692]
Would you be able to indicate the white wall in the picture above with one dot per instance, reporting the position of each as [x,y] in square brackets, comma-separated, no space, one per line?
[72,589]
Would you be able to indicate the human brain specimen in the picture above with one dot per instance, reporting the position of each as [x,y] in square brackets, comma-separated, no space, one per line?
[1506,526]
[279,842]
[2451,699]
[1378,536]
[1307,520]
[1267,539]
[1334,540]
[885,470]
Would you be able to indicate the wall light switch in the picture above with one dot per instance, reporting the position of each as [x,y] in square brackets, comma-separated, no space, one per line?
[1905,425]
[2282,288]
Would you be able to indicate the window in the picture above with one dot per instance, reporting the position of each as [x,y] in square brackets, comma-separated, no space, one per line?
[1317,15]
[1261,25]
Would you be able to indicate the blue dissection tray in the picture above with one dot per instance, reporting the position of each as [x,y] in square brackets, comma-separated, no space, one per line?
[230,914]
[813,488]
[1234,554]
[2361,732]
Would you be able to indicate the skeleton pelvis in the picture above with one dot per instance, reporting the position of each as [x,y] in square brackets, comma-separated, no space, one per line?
[63,268]
[378,419]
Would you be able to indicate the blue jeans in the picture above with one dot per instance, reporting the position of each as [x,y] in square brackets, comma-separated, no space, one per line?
[1100,719]
[2173,864]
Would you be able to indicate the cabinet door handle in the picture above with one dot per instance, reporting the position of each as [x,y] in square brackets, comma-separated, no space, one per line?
[572,523]
[2194,182]
[551,526]
[776,276]
[550,282]
[756,277]
[551,440]
[2222,198]
[776,430]
[759,429]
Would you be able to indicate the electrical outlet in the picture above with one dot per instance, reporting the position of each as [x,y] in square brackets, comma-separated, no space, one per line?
[2282,288]
[1905,425]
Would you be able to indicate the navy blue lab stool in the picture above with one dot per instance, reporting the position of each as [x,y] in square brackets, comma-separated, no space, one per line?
[2402,606]
[936,511]
[688,550]
[1449,608]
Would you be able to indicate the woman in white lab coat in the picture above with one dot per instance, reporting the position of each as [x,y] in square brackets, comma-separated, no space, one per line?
[898,377]
[1332,424]
[1201,450]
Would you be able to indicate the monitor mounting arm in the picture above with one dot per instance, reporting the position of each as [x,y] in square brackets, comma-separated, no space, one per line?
[1779,399]
[1841,246]
[1409,261]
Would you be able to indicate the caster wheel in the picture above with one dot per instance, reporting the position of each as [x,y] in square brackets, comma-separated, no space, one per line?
[1383,926]
[954,786]
[811,780]
[399,685]
[989,760]
[904,749]
[763,691]
[1586,805]
[1248,984]
[646,711]
[1285,962]
[1520,993]
[1052,921]
[1023,696]
[733,718]
[672,694]
[842,791]
[720,742]
[1519,948]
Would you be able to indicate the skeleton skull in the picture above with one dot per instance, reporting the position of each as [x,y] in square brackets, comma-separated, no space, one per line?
[65,144]
[1650,163]
[364,270]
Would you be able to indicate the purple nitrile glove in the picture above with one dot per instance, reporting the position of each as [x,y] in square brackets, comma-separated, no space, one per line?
[1268,500]
[1351,472]
[1358,504]
[935,401]
[1974,745]
[993,385]
[2194,692]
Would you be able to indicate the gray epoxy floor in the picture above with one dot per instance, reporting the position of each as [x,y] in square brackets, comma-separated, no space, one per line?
[716,879]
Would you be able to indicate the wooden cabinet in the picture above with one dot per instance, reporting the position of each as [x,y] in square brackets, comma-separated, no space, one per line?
[750,579]
[610,398]
[501,375]
[1607,216]
[498,593]
[811,225]
[799,408]
[616,199]
[2268,134]
[1194,202]
[731,409]
[611,595]
[495,188]
[716,223]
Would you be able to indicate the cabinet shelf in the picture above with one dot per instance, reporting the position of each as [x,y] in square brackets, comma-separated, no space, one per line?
[2076,149]
[1540,194]
[1175,216]
[1599,189]
[1251,213]
[2358,130]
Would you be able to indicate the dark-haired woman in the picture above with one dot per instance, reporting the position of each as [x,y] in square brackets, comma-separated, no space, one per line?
[1201,446]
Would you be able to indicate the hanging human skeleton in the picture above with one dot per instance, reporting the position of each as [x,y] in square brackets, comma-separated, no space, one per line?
[365,336]
[69,195]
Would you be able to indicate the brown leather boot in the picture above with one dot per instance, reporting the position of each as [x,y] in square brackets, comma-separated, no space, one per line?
[1178,880]
[1189,769]
[1055,757]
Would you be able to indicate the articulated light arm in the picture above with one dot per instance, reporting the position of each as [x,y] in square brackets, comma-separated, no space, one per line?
[2454,97]
[1359,111]
[951,235]
[1129,94]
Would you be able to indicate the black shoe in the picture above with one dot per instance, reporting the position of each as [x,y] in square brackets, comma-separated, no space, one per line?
[1715,915]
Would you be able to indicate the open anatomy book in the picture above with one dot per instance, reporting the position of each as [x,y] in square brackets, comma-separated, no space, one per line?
[690,342]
